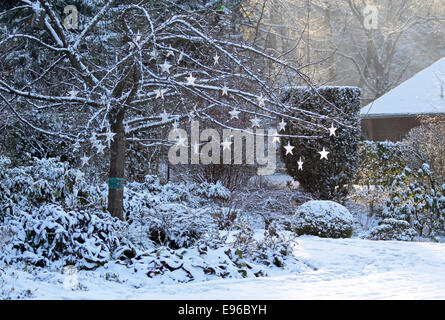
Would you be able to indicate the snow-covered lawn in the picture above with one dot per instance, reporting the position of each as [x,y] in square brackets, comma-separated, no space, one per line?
[346,269]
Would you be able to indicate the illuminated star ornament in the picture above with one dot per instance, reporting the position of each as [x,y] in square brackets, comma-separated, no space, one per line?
[226,144]
[100,148]
[73,94]
[84,160]
[191,80]
[224,90]
[234,114]
[170,51]
[289,148]
[261,100]
[300,164]
[165,67]
[164,116]
[181,142]
[109,136]
[153,54]
[216,59]
[76,146]
[332,130]
[160,93]
[282,125]
[93,138]
[181,56]
[175,126]
[255,122]
[323,154]
[275,137]
[191,116]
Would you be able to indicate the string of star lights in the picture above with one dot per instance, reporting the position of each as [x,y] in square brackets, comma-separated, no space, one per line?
[101,141]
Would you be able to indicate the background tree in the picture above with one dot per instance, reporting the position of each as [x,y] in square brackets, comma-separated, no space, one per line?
[133,68]
[336,45]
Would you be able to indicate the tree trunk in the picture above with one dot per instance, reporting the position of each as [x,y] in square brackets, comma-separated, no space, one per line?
[116,178]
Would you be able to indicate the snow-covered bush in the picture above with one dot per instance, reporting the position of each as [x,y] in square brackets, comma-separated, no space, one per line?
[378,163]
[326,179]
[177,226]
[50,234]
[224,217]
[46,181]
[426,144]
[415,197]
[196,264]
[272,248]
[172,215]
[393,229]
[324,219]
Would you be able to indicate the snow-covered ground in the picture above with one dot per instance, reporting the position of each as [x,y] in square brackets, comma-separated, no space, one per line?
[346,269]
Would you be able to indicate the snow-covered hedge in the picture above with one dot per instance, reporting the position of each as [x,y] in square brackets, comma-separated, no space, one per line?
[324,219]
[326,179]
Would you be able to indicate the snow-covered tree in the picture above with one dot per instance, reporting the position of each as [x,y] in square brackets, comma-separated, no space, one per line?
[115,72]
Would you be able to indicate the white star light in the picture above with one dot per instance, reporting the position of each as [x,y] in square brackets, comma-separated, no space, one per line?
[76,146]
[191,80]
[226,144]
[261,100]
[275,137]
[234,114]
[170,51]
[216,59]
[181,56]
[225,90]
[73,94]
[164,116]
[136,40]
[289,148]
[255,122]
[100,148]
[332,130]
[323,154]
[153,55]
[160,93]
[84,160]
[126,129]
[109,137]
[181,142]
[175,126]
[282,125]
[93,138]
[300,164]
[165,67]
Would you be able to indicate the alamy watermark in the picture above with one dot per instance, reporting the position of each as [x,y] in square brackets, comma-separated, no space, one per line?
[71,20]
[370,17]
[238,147]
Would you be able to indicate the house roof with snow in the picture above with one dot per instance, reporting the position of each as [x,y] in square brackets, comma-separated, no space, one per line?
[421,94]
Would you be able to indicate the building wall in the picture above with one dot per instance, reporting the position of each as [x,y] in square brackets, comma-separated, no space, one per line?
[392,129]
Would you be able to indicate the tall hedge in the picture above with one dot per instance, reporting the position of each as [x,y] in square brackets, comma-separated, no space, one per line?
[325,179]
